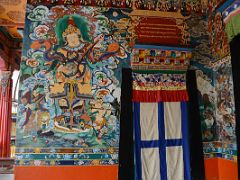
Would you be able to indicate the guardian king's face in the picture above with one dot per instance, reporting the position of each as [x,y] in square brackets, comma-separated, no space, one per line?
[73,40]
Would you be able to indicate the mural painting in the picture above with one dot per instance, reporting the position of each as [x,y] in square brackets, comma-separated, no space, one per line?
[70,85]
[218,37]
[225,100]
[216,104]
[207,101]
[197,26]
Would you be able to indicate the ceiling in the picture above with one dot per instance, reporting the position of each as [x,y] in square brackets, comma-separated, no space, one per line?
[12,12]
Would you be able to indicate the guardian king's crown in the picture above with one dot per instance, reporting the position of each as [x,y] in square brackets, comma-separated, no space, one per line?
[72,28]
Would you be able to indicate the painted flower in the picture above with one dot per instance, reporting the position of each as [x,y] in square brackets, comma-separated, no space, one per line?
[96,150]
[52,162]
[114,156]
[37,162]
[41,30]
[81,150]
[37,150]
[38,55]
[57,12]
[111,150]
[103,29]
[32,63]
[80,162]
[39,78]
[111,162]
[95,162]
[102,79]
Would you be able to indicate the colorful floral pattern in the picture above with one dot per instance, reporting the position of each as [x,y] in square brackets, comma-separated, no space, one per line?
[160,59]
[159,87]
[159,82]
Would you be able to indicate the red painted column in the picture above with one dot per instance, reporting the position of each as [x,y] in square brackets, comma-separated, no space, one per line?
[5,113]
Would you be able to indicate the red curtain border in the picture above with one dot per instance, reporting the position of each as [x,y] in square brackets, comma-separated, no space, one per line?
[160,96]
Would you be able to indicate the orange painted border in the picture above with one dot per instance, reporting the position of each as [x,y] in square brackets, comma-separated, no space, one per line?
[66,172]
[220,169]
[228,170]
[211,169]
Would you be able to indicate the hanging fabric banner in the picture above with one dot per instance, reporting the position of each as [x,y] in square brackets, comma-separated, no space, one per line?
[161,141]
[160,121]
[70,85]
[159,87]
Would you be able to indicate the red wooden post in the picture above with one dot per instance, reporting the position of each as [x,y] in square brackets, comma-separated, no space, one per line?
[5,112]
